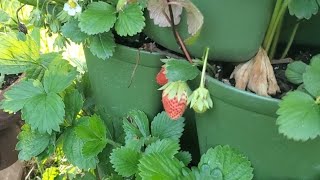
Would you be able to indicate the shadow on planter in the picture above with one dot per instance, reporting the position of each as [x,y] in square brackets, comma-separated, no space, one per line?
[247,122]
[233,29]
[9,131]
[307,34]
[114,87]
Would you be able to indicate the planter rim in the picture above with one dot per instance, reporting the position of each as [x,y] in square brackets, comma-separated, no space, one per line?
[242,99]
[147,59]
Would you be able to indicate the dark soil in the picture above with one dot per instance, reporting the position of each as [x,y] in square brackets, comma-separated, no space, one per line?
[8,80]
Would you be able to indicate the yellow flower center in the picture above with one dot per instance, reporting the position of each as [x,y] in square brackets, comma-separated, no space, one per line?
[318,100]
[72,4]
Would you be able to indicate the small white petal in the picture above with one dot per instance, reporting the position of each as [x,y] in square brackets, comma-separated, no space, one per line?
[72,12]
[78,9]
[66,7]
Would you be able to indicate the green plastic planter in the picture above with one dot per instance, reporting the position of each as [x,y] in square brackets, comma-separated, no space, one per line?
[233,29]
[247,122]
[113,88]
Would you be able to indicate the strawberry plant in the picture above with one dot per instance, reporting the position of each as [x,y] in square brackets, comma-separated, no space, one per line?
[299,111]
[177,95]
[152,151]
[95,24]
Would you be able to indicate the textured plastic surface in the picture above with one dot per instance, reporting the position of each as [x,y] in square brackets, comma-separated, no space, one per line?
[233,29]
[247,122]
[113,88]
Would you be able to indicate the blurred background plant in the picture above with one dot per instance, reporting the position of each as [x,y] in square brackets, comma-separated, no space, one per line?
[12,12]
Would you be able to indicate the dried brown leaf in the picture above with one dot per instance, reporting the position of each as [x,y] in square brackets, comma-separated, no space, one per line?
[159,12]
[241,74]
[258,82]
[194,16]
[257,75]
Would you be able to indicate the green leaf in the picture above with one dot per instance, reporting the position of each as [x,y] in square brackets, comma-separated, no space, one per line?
[87,176]
[295,71]
[135,144]
[205,172]
[180,70]
[311,78]
[31,143]
[21,36]
[37,72]
[228,162]
[99,17]
[184,156]
[131,132]
[130,20]
[140,120]
[44,112]
[19,94]
[93,134]
[72,148]
[4,17]
[143,3]
[168,147]
[17,56]
[73,103]
[160,166]
[163,127]
[299,116]
[59,78]
[303,9]
[72,31]
[125,161]
[102,45]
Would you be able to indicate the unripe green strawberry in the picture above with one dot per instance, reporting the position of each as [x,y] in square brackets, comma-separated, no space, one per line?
[200,100]
[161,77]
[175,99]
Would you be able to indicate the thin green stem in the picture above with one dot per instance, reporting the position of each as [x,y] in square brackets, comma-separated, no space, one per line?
[204,67]
[276,40]
[39,166]
[96,171]
[293,34]
[277,22]
[272,21]
[113,143]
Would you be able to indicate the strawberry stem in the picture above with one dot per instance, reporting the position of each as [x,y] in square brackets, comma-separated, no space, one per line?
[176,34]
[204,67]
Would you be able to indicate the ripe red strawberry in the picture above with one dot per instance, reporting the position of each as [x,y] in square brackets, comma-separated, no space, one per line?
[161,77]
[175,98]
[173,107]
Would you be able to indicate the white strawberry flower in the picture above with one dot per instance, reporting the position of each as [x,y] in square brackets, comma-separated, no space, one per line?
[72,7]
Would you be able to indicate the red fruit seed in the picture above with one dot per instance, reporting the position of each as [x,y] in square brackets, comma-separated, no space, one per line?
[161,77]
[173,108]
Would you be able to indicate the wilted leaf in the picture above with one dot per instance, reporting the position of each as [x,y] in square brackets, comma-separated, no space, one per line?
[159,11]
